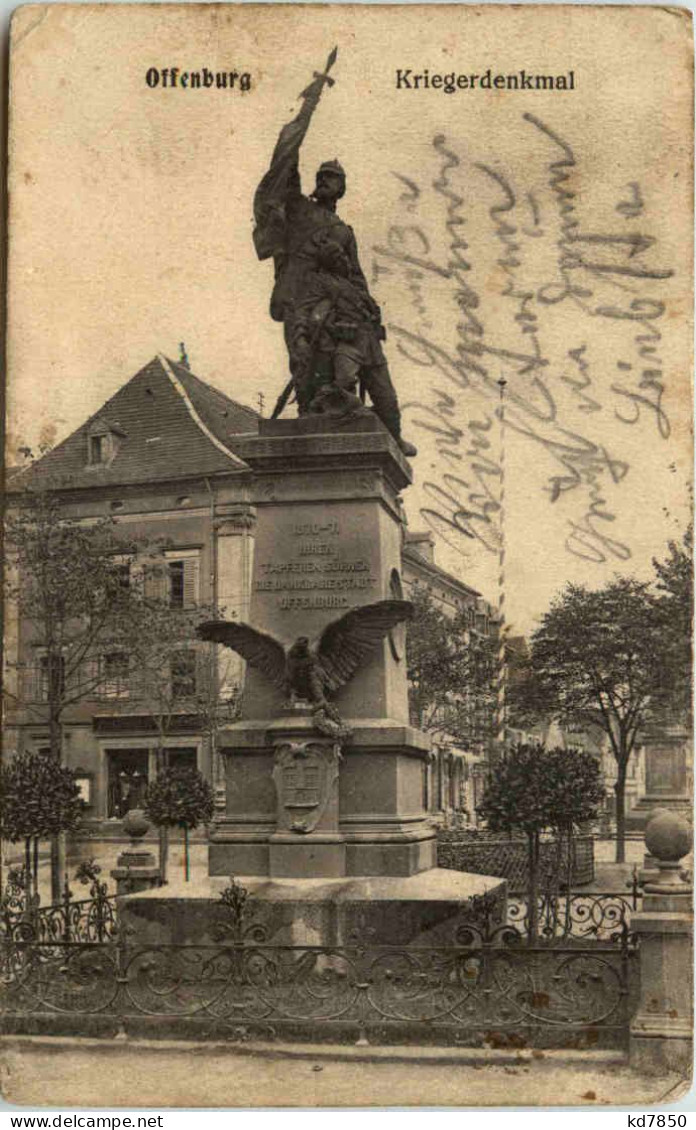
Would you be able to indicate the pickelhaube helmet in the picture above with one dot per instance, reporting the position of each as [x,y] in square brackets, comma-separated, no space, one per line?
[332,167]
[337,169]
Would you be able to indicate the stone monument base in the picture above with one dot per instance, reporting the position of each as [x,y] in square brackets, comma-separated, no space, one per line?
[379,827]
[668,780]
[419,910]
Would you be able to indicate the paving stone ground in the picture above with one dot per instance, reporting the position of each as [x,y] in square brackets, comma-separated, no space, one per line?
[608,875]
[93,1074]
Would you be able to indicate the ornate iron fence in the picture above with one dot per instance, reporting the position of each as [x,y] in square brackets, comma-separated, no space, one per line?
[490,988]
[84,920]
[602,916]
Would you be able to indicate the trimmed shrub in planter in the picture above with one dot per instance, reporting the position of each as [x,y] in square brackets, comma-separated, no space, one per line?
[180,797]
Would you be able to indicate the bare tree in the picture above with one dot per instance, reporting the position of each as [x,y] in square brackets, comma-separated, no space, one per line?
[65,581]
[451,673]
[175,672]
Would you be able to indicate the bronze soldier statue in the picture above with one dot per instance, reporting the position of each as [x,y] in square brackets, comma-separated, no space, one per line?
[332,325]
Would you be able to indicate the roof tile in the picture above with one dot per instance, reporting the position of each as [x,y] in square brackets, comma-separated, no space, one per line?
[157,434]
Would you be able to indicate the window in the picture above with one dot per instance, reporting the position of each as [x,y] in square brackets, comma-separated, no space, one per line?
[183,758]
[183,670]
[114,675]
[122,573]
[97,449]
[176,584]
[182,577]
[454,785]
[174,580]
[51,677]
[128,779]
[84,781]
[153,582]
[104,438]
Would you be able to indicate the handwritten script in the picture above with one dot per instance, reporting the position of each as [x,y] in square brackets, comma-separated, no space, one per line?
[530,322]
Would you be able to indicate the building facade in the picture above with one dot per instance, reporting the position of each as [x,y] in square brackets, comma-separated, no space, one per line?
[457,772]
[159,457]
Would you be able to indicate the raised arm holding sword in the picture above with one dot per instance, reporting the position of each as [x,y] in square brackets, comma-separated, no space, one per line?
[332,325]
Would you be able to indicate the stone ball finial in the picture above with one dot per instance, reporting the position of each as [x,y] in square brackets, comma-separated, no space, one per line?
[668,836]
[654,814]
[136,823]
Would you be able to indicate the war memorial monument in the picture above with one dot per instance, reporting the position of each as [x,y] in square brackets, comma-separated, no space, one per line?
[325,816]
[322,915]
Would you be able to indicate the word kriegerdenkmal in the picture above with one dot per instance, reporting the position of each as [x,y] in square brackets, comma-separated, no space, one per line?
[204,79]
[487,80]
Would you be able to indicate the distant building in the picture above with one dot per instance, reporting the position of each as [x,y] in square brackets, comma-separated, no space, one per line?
[160,457]
[457,774]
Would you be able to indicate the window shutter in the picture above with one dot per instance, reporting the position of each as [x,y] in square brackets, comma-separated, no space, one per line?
[41,689]
[203,672]
[192,661]
[153,582]
[190,582]
[90,674]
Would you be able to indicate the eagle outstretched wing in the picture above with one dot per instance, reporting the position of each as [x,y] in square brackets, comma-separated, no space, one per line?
[347,642]
[259,649]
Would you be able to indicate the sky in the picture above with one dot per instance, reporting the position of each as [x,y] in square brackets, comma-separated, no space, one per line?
[540,237]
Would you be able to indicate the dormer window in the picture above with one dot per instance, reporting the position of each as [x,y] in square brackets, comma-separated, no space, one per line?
[103,442]
[97,449]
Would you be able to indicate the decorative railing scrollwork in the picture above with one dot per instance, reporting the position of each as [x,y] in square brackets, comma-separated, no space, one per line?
[457,994]
[85,920]
[572,983]
[602,916]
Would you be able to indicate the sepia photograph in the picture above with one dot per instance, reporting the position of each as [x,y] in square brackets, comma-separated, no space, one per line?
[348,536]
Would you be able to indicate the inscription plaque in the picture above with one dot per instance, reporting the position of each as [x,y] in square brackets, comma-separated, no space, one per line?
[665,770]
[326,580]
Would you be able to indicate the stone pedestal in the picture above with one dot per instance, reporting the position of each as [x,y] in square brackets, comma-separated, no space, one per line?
[135,871]
[427,909]
[307,840]
[363,801]
[668,777]
[329,836]
[328,539]
[136,868]
[662,1030]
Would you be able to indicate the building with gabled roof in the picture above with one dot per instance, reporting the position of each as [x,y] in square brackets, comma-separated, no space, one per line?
[159,457]
[163,423]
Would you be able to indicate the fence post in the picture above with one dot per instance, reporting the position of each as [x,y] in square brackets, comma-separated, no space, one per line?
[661,1030]
[67,896]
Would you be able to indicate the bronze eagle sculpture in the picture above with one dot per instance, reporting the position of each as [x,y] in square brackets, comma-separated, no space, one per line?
[312,670]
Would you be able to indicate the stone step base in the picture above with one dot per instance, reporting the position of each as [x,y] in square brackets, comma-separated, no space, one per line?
[424,909]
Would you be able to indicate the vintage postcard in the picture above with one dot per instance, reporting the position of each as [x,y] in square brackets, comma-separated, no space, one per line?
[347,718]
